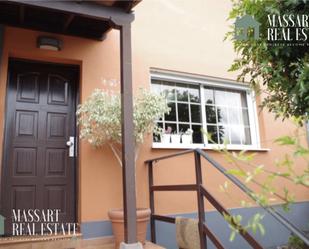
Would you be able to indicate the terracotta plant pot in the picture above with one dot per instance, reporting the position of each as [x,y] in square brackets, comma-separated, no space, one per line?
[116,217]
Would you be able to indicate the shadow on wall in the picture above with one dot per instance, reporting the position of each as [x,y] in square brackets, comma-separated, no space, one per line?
[275,235]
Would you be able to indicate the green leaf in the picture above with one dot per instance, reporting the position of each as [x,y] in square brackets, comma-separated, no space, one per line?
[283,174]
[301,151]
[236,172]
[261,228]
[232,235]
[285,140]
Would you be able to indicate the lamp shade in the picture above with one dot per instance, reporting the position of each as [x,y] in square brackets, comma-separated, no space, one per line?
[49,43]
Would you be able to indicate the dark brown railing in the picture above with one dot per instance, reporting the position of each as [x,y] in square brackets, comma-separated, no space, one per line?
[202,193]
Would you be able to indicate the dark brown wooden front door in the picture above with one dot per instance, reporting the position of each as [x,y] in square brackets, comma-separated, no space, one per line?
[37,171]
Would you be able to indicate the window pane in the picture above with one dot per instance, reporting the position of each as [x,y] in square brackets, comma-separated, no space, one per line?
[220,98]
[244,99]
[183,128]
[197,134]
[231,112]
[172,115]
[195,113]
[234,115]
[209,96]
[183,112]
[236,134]
[194,94]
[182,92]
[247,136]
[212,133]
[245,116]
[169,91]
[211,115]
[222,115]
[224,134]
[233,99]
[156,137]
[156,88]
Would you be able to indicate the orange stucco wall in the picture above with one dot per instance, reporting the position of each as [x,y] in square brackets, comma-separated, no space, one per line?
[171,35]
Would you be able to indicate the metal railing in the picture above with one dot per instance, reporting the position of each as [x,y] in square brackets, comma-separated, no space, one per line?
[202,193]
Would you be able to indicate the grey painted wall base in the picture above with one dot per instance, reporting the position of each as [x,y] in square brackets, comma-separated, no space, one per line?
[275,235]
[95,229]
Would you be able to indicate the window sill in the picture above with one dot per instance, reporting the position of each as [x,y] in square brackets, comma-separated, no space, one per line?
[207,147]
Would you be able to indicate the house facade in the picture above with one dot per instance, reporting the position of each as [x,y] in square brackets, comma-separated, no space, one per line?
[177,49]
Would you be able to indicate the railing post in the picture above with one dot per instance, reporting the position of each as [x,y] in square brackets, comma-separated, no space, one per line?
[151,201]
[200,200]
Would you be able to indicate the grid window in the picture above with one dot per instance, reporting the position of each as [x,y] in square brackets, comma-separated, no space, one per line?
[222,112]
[185,108]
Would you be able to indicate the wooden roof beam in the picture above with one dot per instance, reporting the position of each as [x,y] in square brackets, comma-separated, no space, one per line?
[117,16]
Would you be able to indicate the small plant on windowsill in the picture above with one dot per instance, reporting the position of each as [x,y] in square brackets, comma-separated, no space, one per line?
[186,138]
[175,137]
[165,136]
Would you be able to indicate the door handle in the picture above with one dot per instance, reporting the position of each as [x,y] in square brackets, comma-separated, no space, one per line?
[71,145]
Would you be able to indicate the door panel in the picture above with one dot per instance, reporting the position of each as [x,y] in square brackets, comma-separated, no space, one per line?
[57,90]
[37,170]
[28,88]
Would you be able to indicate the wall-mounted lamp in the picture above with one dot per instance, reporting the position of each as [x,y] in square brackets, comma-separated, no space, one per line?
[49,43]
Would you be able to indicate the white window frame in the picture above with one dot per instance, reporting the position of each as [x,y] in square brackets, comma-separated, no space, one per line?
[202,81]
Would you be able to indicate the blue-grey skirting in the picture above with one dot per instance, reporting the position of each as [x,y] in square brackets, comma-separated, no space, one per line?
[275,235]
[96,229]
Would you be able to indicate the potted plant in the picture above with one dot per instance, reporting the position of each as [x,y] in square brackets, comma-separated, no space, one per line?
[186,138]
[166,135]
[175,138]
[99,118]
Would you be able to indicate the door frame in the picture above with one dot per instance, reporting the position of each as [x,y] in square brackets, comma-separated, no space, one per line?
[6,144]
